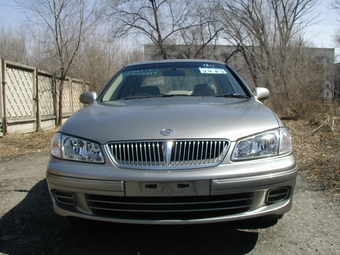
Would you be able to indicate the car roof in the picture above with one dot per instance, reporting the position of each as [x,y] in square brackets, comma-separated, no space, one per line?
[163,61]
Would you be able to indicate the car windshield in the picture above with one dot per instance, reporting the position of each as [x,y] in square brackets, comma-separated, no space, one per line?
[174,79]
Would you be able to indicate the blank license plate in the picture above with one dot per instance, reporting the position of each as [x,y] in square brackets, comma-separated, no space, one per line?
[183,188]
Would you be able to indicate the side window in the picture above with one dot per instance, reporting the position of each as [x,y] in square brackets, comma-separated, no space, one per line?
[109,95]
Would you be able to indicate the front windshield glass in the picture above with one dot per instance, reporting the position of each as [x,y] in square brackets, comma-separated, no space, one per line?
[174,79]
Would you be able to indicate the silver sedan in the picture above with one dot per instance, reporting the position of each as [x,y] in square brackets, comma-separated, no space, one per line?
[173,142]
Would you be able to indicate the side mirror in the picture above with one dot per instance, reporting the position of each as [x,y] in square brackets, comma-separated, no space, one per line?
[88,97]
[261,93]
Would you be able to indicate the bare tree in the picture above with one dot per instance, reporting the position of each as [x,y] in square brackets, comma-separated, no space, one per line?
[100,57]
[335,5]
[166,23]
[205,32]
[268,34]
[61,26]
[13,45]
[264,26]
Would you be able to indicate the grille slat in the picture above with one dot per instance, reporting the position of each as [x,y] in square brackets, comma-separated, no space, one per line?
[168,154]
[167,204]
[167,211]
[150,208]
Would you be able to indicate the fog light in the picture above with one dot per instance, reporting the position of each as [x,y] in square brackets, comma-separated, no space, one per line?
[277,195]
[64,197]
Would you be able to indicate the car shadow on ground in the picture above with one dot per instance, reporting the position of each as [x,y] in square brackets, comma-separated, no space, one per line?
[31,227]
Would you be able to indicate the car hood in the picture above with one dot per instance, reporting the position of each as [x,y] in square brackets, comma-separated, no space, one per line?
[188,117]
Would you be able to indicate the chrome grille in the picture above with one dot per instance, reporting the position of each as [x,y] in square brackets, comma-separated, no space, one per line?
[167,208]
[168,154]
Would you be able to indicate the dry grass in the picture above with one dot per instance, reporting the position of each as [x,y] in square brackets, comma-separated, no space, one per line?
[318,156]
[12,145]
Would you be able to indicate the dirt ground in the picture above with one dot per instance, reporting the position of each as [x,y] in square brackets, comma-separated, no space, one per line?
[28,224]
[13,145]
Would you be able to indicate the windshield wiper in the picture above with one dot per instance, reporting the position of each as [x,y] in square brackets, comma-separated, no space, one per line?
[138,96]
[166,95]
[174,95]
[230,95]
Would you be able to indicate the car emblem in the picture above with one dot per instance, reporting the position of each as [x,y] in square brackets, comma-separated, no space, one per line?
[167,131]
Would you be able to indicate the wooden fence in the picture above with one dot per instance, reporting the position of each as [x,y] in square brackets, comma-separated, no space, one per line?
[29,98]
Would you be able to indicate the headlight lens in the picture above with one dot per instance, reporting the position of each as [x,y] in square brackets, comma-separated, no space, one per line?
[271,143]
[73,148]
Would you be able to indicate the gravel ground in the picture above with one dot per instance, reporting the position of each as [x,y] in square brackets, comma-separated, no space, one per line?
[28,224]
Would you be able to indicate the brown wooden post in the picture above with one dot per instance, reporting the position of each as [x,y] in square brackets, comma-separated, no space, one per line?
[3,84]
[37,102]
[71,94]
[55,101]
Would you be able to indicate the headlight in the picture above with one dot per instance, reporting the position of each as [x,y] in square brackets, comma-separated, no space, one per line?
[271,143]
[73,148]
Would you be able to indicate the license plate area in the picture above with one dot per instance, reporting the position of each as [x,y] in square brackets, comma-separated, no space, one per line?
[158,189]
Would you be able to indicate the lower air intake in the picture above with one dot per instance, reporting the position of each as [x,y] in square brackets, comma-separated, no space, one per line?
[168,208]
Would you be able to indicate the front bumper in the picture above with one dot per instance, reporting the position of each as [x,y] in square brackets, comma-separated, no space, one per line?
[224,193]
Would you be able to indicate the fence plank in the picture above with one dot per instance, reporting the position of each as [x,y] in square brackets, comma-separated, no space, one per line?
[2,84]
[29,100]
